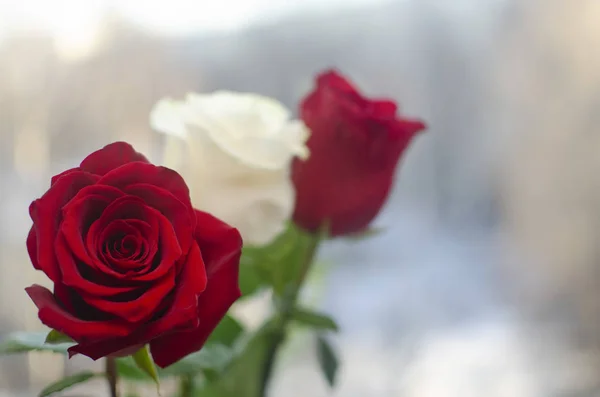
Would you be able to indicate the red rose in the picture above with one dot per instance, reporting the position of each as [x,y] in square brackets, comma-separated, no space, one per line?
[132,262]
[355,146]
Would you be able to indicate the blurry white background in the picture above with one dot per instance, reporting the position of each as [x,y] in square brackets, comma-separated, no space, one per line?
[486,281]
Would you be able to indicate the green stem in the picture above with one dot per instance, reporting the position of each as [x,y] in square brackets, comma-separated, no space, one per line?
[112,376]
[285,313]
[186,386]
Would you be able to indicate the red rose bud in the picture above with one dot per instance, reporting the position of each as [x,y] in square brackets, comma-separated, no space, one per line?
[354,146]
[131,261]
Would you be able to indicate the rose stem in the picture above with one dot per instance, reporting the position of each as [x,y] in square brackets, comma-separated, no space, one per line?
[112,376]
[289,303]
[186,386]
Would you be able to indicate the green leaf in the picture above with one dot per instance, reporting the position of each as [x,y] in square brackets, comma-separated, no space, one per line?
[250,280]
[55,338]
[288,258]
[227,332]
[244,375]
[212,357]
[274,264]
[210,375]
[128,369]
[314,319]
[144,361]
[67,382]
[327,360]
[23,342]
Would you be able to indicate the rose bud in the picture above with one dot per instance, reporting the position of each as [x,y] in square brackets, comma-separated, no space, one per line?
[355,145]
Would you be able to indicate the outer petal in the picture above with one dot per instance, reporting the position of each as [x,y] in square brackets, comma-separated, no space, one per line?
[259,208]
[167,117]
[220,245]
[32,247]
[110,157]
[331,83]
[181,314]
[135,309]
[221,249]
[46,213]
[141,173]
[383,109]
[58,176]
[54,316]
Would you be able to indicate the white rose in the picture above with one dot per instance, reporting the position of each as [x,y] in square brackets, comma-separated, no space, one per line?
[234,151]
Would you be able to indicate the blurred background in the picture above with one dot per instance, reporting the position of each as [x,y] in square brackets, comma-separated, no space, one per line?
[486,280]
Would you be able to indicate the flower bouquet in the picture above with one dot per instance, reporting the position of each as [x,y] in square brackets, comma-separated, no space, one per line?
[146,261]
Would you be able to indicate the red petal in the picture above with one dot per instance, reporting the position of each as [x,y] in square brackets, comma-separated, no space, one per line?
[78,216]
[32,248]
[133,260]
[46,213]
[221,246]
[110,157]
[219,242]
[58,176]
[136,309]
[131,268]
[92,282]
[383,109]
[142,173]
[54,316]
[130,207]
[406,128]
[182,218]
[181,315]
[332,79]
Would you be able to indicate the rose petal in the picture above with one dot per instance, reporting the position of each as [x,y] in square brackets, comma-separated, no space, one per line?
[161,177]
[47,215]
[32,248]
[405,129]
[126,207]
[168,250]
[383,109]
[182,313]
[169,253]
[123,231]
[171,207]
[70,299]
[85,208]
[139,261]
[55,317]
[136,307]
[58,176]
[110,157]
[331,80]
[218,241]
[83,277]
[131,209]
[221,246]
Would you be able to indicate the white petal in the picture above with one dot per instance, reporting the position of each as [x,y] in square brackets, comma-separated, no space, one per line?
[235,152]
[167,117]
[253,114]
